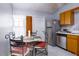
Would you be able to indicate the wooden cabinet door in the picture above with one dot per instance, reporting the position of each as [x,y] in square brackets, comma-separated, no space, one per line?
[72,44]
[69,18]
[28,24]
[62,19]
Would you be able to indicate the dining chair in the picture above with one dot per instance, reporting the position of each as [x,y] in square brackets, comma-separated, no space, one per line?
[41,47]
[34,33]
[17,47]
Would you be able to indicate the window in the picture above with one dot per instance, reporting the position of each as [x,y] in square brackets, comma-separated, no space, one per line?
[18,26]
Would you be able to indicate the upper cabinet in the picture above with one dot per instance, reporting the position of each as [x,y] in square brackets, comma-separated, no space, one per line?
[62,20]
[67,18]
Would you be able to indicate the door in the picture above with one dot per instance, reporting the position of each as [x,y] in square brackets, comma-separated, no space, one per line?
[63,42]
[29,24]
[69,17]
[72,44]
[62,19]
[49,35]
[49,31]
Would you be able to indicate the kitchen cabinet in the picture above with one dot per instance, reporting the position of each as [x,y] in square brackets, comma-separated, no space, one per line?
[73,44]
[67,18]
[62,16]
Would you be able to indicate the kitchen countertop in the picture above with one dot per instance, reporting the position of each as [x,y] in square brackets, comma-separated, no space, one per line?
[67,33]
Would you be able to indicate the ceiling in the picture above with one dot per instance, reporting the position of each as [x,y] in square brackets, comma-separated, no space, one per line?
[38,7]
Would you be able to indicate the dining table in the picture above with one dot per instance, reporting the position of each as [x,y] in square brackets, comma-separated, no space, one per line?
[32,42]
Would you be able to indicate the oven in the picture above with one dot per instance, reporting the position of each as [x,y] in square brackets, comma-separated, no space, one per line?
[61,40]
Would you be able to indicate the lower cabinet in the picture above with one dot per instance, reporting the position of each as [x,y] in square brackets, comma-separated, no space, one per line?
[73,44]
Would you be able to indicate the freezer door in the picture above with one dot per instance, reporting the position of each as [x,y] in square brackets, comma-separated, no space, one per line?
[49,35]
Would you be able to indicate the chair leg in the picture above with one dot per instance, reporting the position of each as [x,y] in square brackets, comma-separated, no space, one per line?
[35,51]
[44,52]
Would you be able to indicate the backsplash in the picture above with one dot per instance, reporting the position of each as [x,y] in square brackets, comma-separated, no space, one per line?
[71,28]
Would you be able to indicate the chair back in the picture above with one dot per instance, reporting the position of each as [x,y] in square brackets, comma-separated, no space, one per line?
[34,33]
[7,36]
[12,35]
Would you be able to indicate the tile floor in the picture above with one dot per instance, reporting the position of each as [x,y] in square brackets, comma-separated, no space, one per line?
[56,51]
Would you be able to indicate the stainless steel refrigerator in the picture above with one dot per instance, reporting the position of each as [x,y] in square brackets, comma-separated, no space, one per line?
[51,28]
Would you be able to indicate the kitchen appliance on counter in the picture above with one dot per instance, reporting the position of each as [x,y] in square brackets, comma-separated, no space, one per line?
[66,30]
[61,40]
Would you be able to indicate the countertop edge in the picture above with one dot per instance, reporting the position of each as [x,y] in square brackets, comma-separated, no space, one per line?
[68,33]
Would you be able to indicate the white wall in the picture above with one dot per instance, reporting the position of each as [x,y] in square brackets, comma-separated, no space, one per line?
[39,26]
[76,15]
[40,16]
[5,27]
